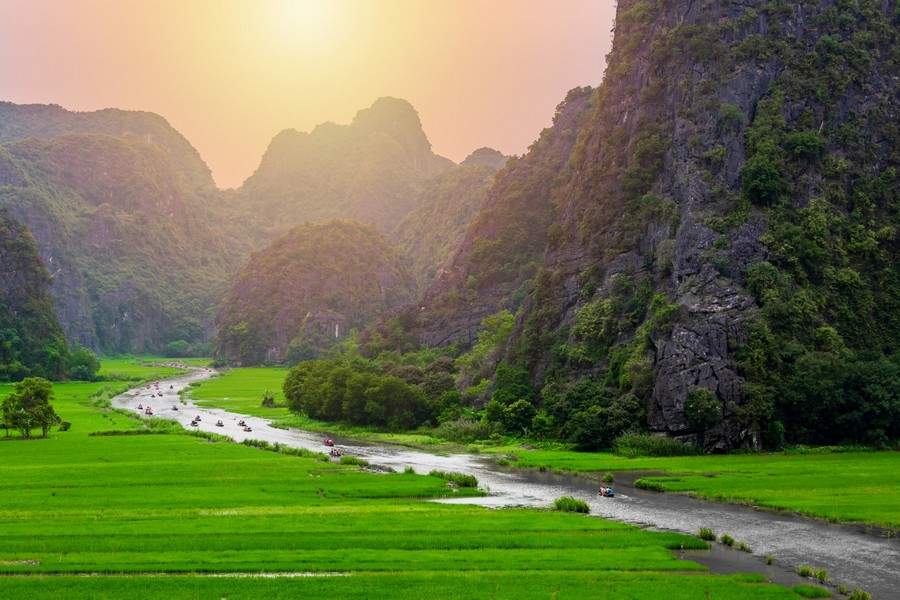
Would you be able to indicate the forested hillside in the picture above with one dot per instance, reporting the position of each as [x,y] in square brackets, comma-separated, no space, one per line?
[20,121]
[435,226]
[135,264]
[718,243]
[371,171]
[32,343]
[308,289]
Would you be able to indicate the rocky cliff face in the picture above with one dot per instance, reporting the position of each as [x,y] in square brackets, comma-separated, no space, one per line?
[371,171]
[667,195]
[502,247]
[723,204]
[437,222]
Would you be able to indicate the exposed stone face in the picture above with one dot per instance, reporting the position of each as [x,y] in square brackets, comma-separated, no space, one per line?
[652,193]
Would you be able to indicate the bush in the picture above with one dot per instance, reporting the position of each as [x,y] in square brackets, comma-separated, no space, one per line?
[727,539]
[805,571]
[821,575]
[633,445]
[460,479]
[570,504]
[609,478]
[354,460]
[744,547]
[707,534]
[464,431]
[64,425]
[702,408]
[858,594]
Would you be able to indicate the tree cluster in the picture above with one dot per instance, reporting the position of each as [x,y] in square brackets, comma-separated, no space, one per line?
[28,407]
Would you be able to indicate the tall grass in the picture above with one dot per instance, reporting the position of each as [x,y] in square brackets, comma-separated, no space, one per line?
[570,504]
[633,445]
[460,479]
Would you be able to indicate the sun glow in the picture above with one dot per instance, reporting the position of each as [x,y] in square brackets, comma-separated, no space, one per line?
[302,25]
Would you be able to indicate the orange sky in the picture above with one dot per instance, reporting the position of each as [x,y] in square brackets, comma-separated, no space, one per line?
[230,74]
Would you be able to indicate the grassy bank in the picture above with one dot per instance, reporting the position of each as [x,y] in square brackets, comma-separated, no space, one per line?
[155,516]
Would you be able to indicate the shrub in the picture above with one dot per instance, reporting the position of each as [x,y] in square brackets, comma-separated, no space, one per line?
[727,539]
[463,431]
[805,571]
[770,560]
[633,445]
[707,534]
[821,575]
[744,547]
[570,504]
[64,425]
[609,478]
[354,460]
[702,408]
[858,594]
[811,591]
[842,589]
[460,479]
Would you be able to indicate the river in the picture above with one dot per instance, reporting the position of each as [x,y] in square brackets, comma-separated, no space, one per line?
[852,555]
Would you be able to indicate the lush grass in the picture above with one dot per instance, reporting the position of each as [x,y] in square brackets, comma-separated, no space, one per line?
[840,486]
[461,585]
[173,504]
[241,391]
[141,368]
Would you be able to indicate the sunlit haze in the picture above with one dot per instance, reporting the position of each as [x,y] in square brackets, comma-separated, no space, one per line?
[229,75]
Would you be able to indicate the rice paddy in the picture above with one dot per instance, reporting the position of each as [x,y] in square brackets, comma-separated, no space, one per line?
[177,516]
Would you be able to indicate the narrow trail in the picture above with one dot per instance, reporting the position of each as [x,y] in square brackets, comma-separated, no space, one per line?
[851,555]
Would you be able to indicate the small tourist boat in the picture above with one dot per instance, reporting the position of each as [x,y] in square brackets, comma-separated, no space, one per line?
[607,492]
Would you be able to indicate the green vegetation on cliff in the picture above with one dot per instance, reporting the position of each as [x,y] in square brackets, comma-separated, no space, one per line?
[134,262]
[32,342]
[308,289]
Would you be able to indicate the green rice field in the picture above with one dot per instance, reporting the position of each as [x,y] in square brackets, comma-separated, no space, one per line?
[178,516]
[859,487]
[241,391]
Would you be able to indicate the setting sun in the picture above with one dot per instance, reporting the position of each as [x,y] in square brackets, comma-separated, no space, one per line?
[301,25]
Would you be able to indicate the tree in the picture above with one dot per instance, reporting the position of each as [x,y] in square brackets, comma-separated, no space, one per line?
[29,407]
[702,408]
[83,364]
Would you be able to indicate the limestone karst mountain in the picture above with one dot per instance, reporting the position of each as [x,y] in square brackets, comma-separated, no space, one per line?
[308,289]
[719,241]
[371,171]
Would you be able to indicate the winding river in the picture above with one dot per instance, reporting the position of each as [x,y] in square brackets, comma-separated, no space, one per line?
[851,554]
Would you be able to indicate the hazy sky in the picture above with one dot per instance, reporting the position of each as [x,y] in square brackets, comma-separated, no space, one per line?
[230,74]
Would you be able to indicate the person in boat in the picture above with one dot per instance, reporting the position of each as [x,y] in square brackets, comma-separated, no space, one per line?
[220,424]
[174,407]
[140,407]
